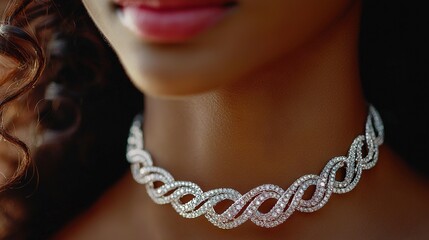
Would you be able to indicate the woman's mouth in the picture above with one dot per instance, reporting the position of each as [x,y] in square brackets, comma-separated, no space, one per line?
[171,21]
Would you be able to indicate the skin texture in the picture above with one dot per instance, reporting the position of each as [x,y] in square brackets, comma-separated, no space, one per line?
[222,55]
[269,94]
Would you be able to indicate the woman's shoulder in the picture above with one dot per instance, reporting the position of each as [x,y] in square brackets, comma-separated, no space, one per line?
[110,217]
[400,197]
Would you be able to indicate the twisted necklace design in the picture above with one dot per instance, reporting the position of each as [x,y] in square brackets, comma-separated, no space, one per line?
[246,206]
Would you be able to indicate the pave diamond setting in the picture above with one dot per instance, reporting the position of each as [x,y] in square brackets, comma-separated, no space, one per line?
[246,206]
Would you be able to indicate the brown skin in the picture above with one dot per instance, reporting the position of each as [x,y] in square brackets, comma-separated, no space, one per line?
[268,110]
[256,34]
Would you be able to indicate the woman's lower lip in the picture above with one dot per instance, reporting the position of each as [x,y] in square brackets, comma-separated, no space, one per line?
[170,25]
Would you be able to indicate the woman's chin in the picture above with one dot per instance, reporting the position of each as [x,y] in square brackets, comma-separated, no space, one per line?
[171,87]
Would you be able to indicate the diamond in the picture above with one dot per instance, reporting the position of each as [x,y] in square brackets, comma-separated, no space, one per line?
[145,173]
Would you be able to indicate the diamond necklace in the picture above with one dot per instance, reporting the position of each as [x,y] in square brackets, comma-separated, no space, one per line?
[246,206]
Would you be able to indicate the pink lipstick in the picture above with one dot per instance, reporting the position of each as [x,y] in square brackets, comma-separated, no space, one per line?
[171,21]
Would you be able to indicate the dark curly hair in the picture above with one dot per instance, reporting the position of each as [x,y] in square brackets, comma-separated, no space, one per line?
[71,125]
[65,105]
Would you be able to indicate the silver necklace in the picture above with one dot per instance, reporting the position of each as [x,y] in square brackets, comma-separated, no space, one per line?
[246,206]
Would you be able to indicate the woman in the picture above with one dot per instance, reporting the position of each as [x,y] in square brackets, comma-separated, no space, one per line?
[237,94]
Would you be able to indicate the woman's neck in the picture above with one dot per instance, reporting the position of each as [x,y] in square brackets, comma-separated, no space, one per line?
[278,123]
[285,120]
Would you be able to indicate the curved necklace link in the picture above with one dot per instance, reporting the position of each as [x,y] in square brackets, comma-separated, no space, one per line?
[246,206]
